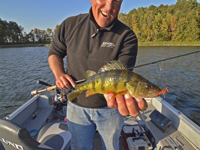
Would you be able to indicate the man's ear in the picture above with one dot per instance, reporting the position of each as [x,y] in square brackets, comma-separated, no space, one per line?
[91,1]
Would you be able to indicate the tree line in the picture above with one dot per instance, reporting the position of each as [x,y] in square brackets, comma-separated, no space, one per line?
[179,22]
[12,33]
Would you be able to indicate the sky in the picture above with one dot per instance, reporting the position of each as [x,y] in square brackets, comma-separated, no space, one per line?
[43,14]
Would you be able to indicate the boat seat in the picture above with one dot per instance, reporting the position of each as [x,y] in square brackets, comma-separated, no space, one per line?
[55,135]
[14,136]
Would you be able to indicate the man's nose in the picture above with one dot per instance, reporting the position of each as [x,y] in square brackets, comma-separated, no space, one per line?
[109,5]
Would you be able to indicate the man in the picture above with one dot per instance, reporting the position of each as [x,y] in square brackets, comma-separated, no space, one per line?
[91,41]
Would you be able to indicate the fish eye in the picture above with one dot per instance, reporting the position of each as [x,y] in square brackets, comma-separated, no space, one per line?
[148,86]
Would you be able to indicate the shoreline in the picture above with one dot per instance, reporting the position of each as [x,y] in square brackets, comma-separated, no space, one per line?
[24,45]
[139,44]
[169,43]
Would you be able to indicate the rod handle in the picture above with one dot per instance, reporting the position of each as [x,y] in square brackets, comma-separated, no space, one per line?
[51,88]
[47,89]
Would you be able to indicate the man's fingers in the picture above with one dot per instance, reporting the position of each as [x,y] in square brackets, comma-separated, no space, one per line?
[71,81]
[111,102]
[126,104]
[142,104]
[65,82]
[61,85]
[131,105]
[123,110]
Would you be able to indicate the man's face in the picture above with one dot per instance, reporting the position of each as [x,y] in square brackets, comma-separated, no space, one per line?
[105,11]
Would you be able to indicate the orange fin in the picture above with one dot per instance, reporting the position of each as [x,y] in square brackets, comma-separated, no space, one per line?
[88,93]
[163,91]
[120,93]
[110,92]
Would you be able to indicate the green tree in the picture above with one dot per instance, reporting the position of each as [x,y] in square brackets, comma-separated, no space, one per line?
[181,26]
[173,25]
[192,31]
[157,34]
[122,17]
[135,26]
[31,36]
[49,34]
[165,29]
[3,32]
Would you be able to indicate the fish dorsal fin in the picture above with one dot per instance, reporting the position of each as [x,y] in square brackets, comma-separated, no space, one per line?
[112,65]
[89,73]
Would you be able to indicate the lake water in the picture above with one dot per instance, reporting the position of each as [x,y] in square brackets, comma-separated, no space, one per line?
[20,68]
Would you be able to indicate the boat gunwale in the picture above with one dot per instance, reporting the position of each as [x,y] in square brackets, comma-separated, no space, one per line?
[21,108]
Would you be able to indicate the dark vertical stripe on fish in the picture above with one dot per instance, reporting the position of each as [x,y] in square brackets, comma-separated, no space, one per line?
[122,80]
[103,80]
[116,80]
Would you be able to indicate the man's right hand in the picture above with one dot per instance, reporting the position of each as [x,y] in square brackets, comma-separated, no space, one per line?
[65,81]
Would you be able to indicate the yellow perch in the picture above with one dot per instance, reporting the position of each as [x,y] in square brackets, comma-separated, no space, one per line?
[115,77]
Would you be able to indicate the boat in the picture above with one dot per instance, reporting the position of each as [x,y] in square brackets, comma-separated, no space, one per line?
[40,124]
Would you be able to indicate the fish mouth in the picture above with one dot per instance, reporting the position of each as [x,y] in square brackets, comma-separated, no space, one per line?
[162,91]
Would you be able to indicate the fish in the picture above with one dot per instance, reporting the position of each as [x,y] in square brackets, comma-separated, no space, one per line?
[115,77]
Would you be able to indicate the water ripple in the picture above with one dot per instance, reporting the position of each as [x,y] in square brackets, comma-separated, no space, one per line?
[180,75]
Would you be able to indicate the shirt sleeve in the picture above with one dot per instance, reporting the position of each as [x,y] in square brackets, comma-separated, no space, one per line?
[58,46]
[128,52]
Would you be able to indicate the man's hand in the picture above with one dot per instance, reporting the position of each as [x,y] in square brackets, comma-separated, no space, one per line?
[65,81]
[126,104]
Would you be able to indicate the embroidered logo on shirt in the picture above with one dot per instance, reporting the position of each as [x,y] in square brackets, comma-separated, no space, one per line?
[108,44]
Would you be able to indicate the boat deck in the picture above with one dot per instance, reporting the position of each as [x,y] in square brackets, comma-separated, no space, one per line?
[182,133]
[170,137]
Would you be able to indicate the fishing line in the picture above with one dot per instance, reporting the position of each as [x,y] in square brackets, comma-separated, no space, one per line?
[154,62]
[164,60]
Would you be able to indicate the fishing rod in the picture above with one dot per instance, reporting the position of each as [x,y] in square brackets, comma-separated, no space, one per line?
[82,80]
[50,88]
[154,62]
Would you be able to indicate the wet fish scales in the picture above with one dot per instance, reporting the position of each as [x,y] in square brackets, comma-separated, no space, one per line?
[114,77]
[106,82]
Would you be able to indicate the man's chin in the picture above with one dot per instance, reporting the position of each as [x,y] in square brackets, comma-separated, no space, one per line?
[104,24]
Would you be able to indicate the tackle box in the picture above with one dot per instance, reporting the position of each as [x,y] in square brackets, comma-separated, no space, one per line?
[134,138]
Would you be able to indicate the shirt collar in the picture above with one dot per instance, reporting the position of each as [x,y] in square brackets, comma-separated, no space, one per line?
[94,21]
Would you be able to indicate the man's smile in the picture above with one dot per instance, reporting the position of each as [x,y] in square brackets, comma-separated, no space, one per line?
[105,14]
[105,11]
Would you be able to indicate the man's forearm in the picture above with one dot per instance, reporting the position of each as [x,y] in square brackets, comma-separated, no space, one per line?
[56,65]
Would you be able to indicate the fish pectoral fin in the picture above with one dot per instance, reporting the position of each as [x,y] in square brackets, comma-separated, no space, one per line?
[89,93]
[120,93]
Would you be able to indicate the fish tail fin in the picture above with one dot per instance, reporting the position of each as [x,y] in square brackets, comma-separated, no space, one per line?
[73,95]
